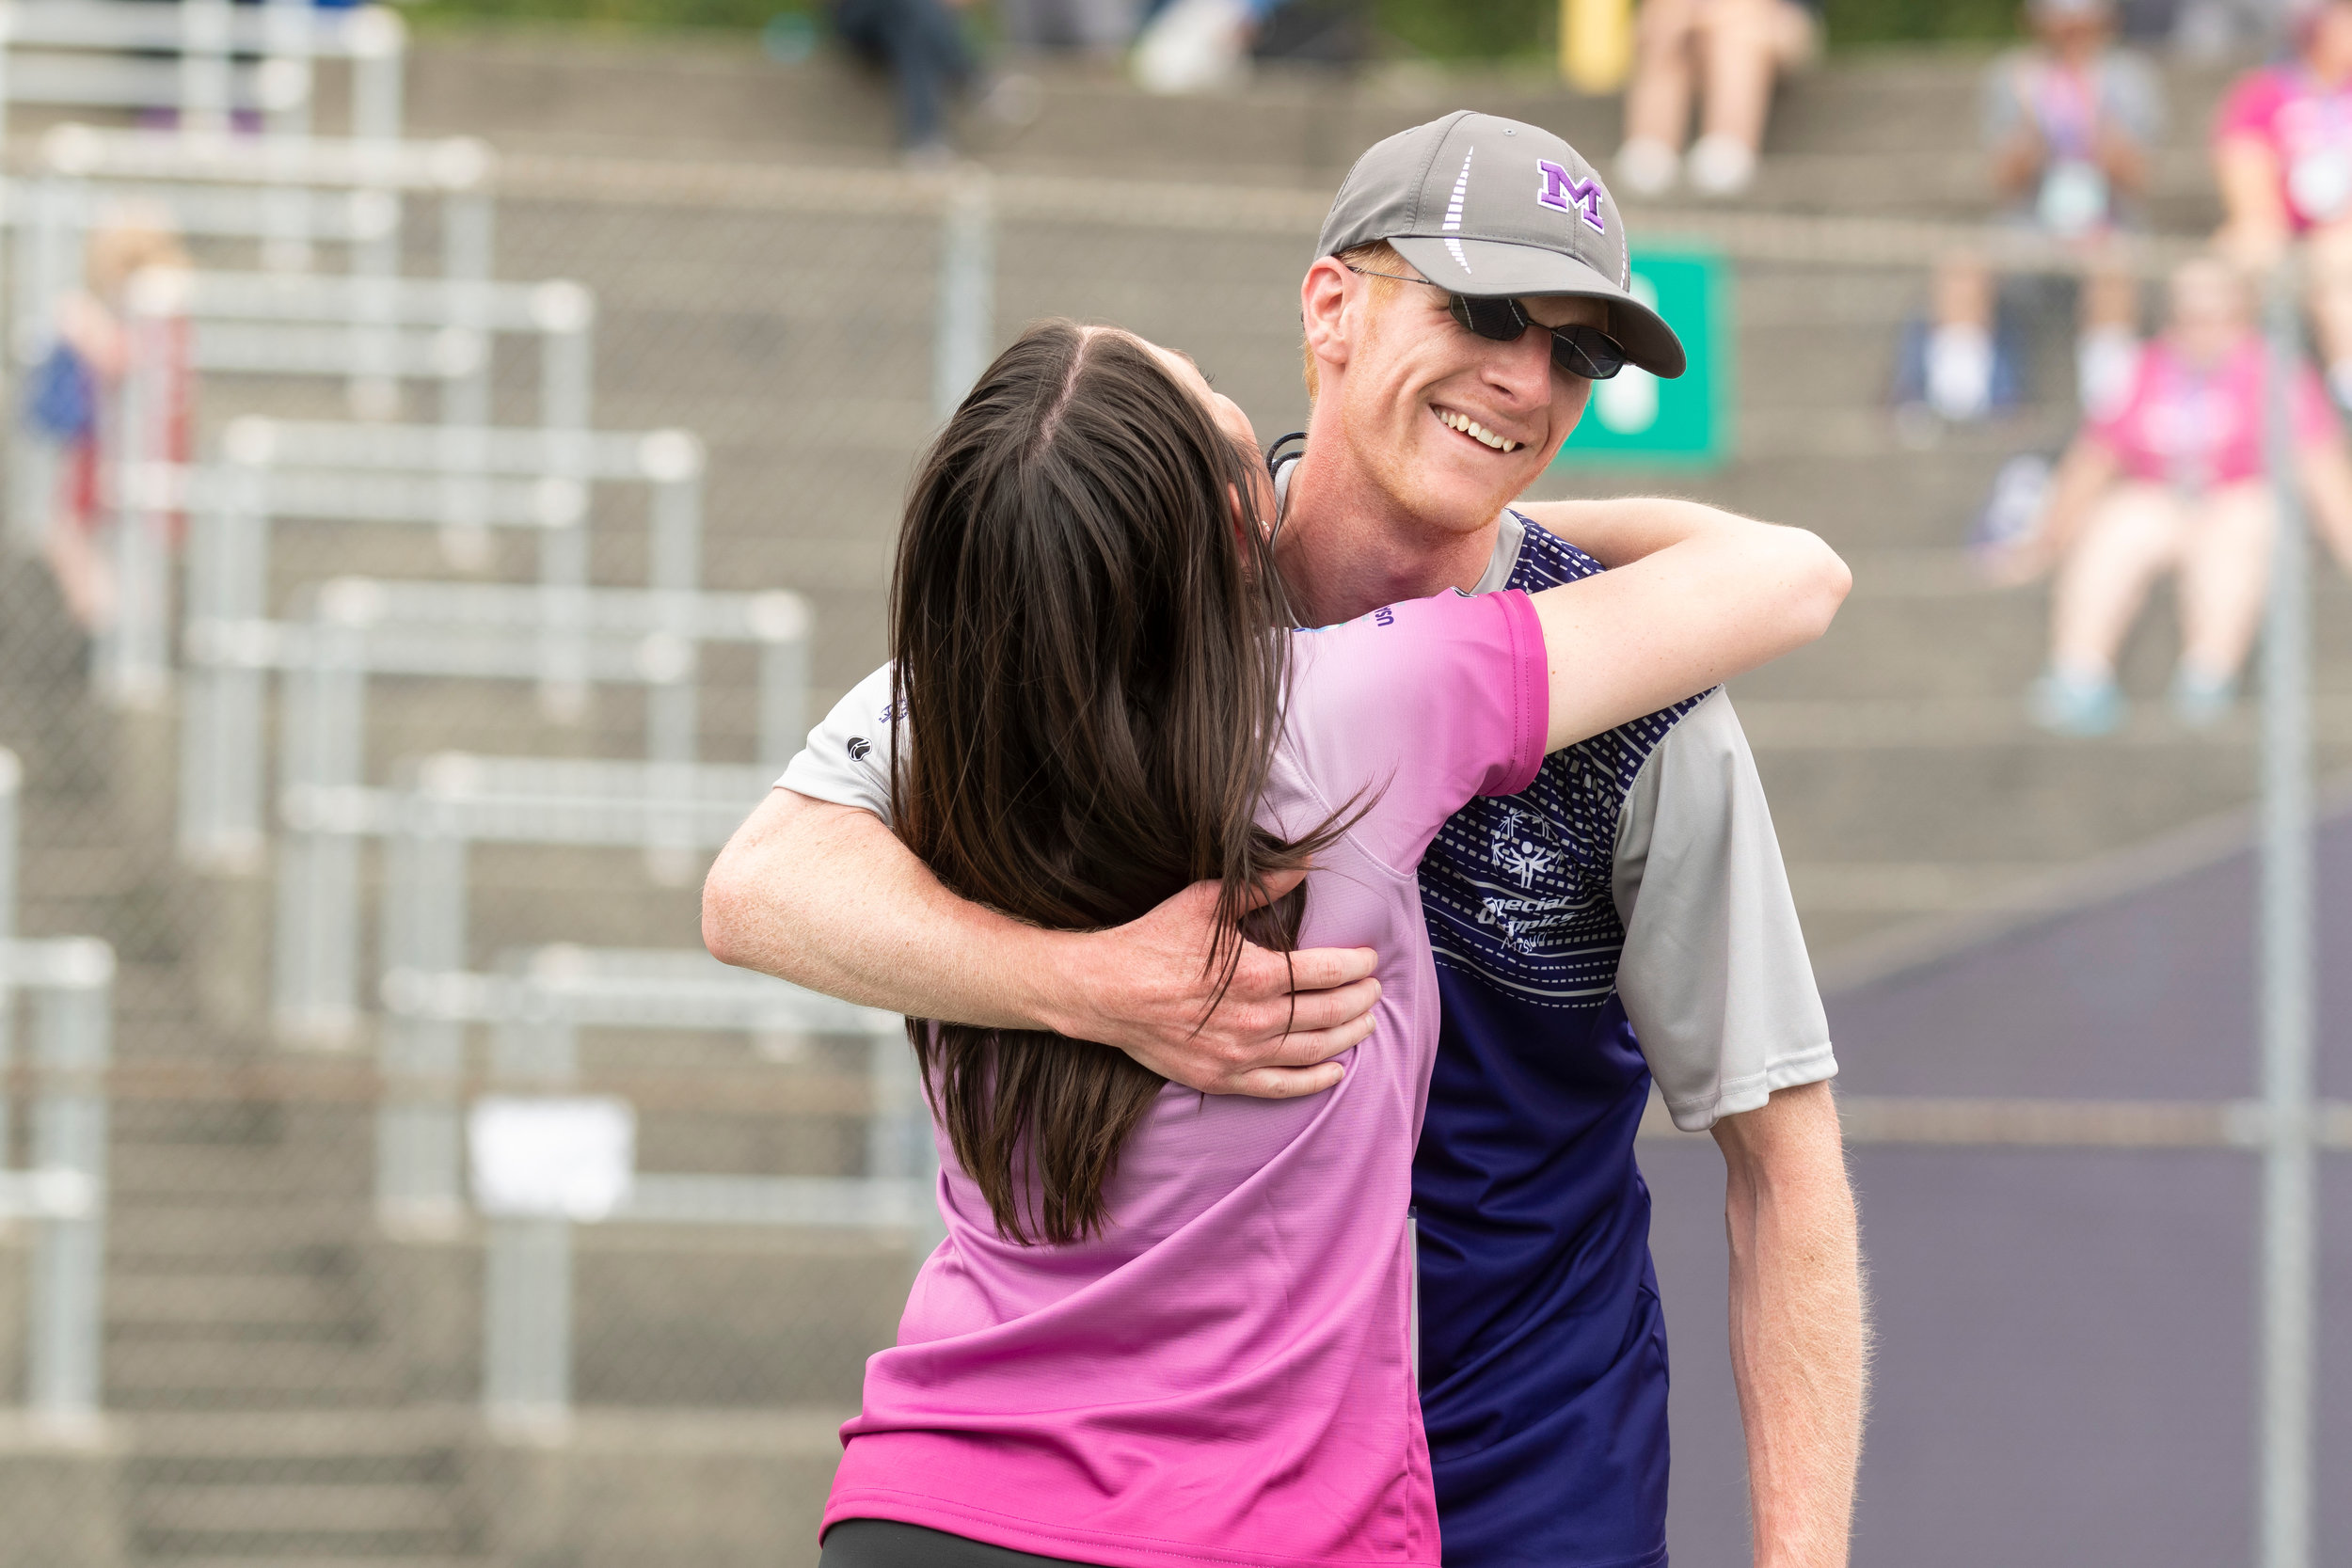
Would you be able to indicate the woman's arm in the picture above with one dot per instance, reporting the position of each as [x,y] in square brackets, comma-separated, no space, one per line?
[1694,596]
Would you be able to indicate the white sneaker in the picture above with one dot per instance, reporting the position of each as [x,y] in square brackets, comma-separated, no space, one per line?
[1960,371]
[1195,46]
[1647,167]
[1722,165]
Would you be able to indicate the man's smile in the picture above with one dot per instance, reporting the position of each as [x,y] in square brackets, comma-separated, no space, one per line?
[1472,429]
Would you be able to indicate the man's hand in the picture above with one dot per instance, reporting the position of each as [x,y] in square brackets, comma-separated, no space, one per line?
[1149,987]
[826,897]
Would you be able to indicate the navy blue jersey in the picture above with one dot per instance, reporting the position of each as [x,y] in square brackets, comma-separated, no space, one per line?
[1543,1351]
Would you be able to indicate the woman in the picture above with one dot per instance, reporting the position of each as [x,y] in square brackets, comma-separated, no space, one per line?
[1167,1329]
[2282,155]
[2173,479]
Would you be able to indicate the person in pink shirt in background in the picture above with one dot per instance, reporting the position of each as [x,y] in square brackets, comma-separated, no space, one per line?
[1169,1329]
[2175,478]
[2282,154]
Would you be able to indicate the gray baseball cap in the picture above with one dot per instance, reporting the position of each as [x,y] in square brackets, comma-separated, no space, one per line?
[1483,205]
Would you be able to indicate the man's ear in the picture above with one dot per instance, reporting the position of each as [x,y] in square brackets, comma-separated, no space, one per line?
[1322,306]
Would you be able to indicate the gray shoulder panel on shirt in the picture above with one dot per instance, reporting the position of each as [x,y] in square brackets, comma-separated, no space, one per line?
[1716,976]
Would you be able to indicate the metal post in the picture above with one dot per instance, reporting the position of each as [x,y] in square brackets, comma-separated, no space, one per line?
[466,398]
[11,787]
[205,67]
[378,57]
[2289,1236]
[527,1292]
[222,691]
[70,1147]
[423,1057]
[967,286]
[317,936]
[782,680]
[289,82]
[900,1145]
[567,390]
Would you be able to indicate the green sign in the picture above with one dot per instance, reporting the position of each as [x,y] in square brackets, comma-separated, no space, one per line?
[1637,420]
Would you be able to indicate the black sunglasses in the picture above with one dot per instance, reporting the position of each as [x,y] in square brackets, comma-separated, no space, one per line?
[1579,350]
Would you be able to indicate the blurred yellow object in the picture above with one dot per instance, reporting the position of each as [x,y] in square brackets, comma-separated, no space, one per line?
[1595,43]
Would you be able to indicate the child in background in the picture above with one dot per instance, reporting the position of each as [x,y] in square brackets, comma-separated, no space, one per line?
[2069,122]
[70,403]
[2173,479]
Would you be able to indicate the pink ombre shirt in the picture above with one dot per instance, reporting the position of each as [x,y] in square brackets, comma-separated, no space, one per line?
[1224,1377]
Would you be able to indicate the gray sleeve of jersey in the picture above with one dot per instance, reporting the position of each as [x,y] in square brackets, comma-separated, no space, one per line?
[1715,976]
[847,759]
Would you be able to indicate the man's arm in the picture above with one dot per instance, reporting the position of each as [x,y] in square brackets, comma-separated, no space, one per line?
[1799,1339]
[1720,989]
[826,897]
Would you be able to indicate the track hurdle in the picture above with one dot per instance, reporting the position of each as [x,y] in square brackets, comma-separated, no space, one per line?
[537,1007]
[653,639]
[356,627]
[460,480]
[428,818]
[62,1190]
[441,806]
[259,60]
[456,480]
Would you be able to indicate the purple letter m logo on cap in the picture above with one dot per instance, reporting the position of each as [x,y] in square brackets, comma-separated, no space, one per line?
[1563,195]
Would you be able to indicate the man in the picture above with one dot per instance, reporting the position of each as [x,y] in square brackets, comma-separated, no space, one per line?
[1637,879]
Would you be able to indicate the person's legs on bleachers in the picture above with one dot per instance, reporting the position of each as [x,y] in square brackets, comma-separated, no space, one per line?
[1658,99]
[1960,348]
[2133,537]
[1745,45]
[2224,577]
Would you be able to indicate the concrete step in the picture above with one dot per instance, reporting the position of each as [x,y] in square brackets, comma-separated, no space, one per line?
[240,1303]
[318,1510]
[150,1375]
[537,91]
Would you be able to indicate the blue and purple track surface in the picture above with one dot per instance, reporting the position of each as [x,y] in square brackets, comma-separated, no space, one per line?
[2065,1371]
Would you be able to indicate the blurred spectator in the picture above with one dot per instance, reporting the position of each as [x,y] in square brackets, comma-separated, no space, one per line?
[2173,480]
[2068,122]
[921,43]
[69,403]
[1099,27]
[2282,149]
[1726,52]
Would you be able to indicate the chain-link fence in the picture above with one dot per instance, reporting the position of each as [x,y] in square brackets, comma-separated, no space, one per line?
[439,1201]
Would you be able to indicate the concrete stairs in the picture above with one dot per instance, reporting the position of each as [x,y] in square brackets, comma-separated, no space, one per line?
[292,1387]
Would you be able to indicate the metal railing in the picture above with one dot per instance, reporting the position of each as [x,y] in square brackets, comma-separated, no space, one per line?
[537,1010]
[62,1188]
[356,627]
[218,58]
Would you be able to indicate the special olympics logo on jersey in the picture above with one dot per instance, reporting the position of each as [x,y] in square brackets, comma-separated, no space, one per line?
[1522,845]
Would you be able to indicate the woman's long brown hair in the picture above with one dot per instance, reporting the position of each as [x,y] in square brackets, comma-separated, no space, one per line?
[1085,617]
